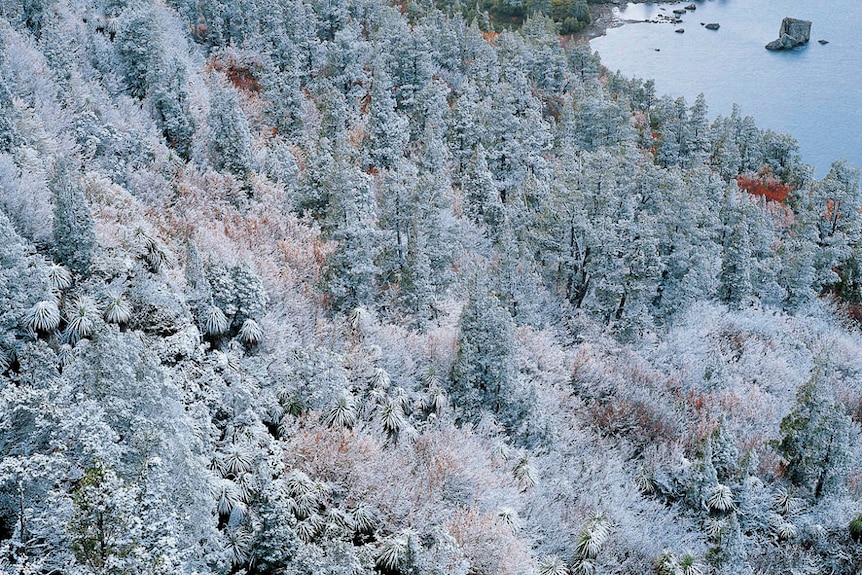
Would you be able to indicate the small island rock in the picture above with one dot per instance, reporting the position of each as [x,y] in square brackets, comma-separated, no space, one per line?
[793,33]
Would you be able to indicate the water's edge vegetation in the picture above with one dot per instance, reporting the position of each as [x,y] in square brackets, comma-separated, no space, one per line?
[309,286]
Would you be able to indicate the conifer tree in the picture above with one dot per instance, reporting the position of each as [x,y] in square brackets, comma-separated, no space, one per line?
[74,238]
[8,133]
[816,439]
[735,278]
[836,202]
[485,374]
[388,131]
[230,136]
[351,271]
[481,199]
[139,45]
[170,100]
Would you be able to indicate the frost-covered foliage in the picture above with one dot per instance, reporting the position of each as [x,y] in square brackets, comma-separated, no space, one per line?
[364,287]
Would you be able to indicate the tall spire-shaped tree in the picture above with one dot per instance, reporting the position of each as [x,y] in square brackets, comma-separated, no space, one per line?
[74,239]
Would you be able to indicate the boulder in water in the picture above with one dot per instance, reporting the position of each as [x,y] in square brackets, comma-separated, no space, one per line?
[784,43]
[793,33]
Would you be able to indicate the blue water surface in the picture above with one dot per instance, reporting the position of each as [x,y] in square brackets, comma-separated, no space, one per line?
[813,92]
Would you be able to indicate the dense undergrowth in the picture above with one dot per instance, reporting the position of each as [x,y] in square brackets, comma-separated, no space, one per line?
[307,286]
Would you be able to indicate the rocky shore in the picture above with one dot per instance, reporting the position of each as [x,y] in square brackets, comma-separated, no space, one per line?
[602,17]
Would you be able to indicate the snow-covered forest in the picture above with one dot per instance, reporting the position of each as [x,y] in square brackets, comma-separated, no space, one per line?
[353,287]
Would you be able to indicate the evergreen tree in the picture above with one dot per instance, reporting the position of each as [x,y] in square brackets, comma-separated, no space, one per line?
[837,201]
[815,439]
[230,137]
[350,274]
[485,375]
[170,101]
[481,199]
[388,131]
[735,278]
[9,137]
[417,287]
[74,239]
[140,46]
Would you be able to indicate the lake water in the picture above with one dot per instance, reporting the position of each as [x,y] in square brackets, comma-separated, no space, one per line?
[813,92]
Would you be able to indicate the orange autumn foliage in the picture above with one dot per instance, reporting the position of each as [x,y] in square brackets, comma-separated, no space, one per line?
[764,184]
[238,73]
[490,36]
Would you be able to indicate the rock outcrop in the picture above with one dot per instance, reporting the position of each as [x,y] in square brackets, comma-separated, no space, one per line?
[793,33]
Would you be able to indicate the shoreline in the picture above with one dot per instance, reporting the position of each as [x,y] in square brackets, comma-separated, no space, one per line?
[602,18]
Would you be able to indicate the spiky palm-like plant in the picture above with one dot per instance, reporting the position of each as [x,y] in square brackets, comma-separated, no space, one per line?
[81,319]
[227,496]
[344,412]
[645,482]
[592,537]
[236,461]
[584,567]
[337,521]
[310,527]
[553,565]
[669,564]
[66,353]
[509,517]
[666,564]
[394,553]
[785,531]
[392,417]
[151,251]
[215,322]
[305,495]
[786,503]
[364,519]
[436,399]
[381,379]
[251,333]
[855,529]
[248,486]
[117,310]
[525,474]
[360,317]
[59,277]
[238,545]
[714,527]
[688,565]
[44,316]
[720,498]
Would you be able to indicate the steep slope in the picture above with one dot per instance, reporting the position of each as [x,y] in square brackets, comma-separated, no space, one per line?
[322,287]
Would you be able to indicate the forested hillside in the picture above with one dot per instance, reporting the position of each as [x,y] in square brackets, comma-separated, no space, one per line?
[351,287]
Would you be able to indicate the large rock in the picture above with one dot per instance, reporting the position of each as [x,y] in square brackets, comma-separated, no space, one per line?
[793,33]
[786,42]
